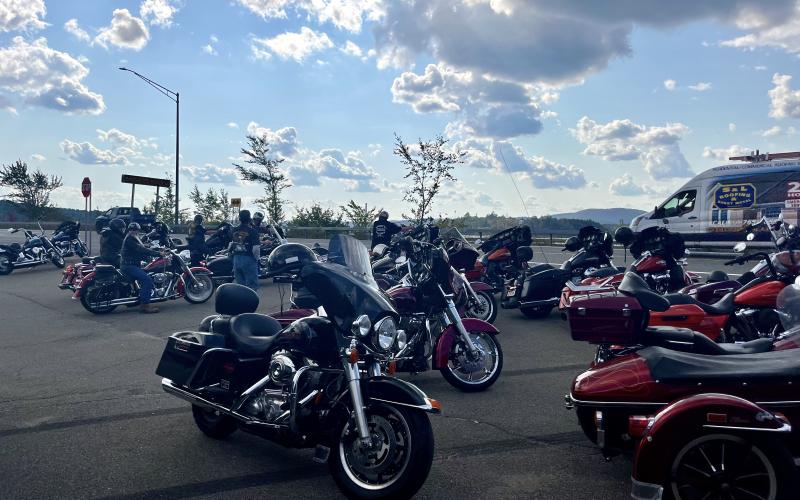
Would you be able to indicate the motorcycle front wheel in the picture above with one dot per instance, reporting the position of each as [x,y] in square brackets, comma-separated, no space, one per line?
[57,259]
[395,465]
[469,373]
[485,308]
[200,289]
[93,297]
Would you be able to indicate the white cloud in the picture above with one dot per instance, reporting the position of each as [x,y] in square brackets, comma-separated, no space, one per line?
[334,164]
[267,9]
[120,138]
[282,141]
[209,48]
[125,32]
[158,12]
[722,154]
[88,154]
[18,15]
[772,132]
[700,86]
[6,105]
[297,46]
[732,127]
[351,49]
[233,125]
[621,140]
[38,157]
[211,173]
[46,77]
[670,84]
[73,29]
[782,34]
[627,186]
[347,15]
[784,101]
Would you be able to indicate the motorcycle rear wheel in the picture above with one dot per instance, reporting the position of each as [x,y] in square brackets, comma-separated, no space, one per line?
[88,300]
[6,266]
[398,464]
[212,423]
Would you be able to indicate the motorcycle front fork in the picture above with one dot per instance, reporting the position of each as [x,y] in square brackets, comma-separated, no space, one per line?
[451,317]
[353,374]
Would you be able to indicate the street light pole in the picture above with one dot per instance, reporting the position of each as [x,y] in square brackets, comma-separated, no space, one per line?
[175,96]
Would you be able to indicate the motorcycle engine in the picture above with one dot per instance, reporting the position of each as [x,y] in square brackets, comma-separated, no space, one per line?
[161,282]
[272,403]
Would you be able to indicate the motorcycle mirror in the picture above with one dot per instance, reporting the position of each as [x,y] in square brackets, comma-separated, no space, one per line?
[12,230]
[751,236]
[361,326]
[740,247]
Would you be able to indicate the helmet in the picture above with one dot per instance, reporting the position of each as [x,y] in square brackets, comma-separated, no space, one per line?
[198,219]
[244,216]
[117,225]
[383,215]
[100,223]
[290,257]
[257,218]
[624,236]
[134,226]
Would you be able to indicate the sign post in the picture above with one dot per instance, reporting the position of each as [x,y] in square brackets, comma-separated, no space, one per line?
[86,190]
[133,180]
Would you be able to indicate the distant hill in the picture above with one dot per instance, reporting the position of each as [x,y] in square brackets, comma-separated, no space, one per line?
[602,215]
[11,212]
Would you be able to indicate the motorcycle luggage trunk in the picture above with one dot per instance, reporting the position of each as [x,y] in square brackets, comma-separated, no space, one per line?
[181,356]
[606,320]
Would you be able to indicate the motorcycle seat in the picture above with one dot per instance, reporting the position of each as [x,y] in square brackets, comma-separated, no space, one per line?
[723,306]
[254,333]
[88,260]
[604,272]
[14,247]
[681,367]
[686,340]
[635,286]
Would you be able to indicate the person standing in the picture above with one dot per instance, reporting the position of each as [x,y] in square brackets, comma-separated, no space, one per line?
[197,240]
[133,253]
[383,230]
[245,249]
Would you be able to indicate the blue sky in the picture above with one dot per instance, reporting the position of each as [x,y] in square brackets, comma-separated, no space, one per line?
[589,106]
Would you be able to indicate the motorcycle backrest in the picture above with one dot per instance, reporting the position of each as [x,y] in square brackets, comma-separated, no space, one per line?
[232,299]
[635,286]
[524,254]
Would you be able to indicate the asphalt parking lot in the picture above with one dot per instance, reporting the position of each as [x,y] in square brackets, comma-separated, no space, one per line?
[82,413]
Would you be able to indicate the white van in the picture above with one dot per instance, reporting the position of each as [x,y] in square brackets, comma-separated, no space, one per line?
[711,209]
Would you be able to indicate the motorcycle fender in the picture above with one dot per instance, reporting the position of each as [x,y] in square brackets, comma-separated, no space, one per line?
[185,276]
[394,391]
[683,420]
[84,283]
[450,334]
[480,286]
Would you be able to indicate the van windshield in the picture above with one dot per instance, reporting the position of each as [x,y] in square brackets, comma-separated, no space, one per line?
[681,203]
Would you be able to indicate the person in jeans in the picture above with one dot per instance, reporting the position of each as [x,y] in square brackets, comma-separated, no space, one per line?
[245,249]
[133,253]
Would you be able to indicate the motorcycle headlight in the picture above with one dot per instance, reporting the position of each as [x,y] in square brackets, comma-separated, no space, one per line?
[386,332]
[402,340]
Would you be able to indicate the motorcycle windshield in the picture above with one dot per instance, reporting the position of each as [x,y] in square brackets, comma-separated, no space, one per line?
[788,308]
[350,253]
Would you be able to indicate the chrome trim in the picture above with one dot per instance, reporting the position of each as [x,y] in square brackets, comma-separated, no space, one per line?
[426,407]
[547,302]
[588,288]
[353,380]
[242,399]
[783,428]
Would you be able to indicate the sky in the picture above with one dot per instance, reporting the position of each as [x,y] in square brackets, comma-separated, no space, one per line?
[579,104]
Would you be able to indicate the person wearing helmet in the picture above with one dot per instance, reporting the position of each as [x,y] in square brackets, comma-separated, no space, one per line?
[197,240]
[111,242]
[383,229]
[245,249]
[133,253]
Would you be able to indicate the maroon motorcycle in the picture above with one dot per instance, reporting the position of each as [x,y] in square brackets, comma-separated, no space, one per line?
[715,426]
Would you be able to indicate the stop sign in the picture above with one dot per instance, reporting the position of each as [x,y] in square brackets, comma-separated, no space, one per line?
[86,187]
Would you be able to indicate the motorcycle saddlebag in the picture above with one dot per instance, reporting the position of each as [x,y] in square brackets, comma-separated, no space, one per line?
[104,273]
[220,266]
[606,320]
[182,354]
[544,285]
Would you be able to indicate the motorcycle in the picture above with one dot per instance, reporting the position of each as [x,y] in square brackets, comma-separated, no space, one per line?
[106,287]
[314,384]
[37,250]
[466,351]
[67,239]
[500,260]
[701,426]
[535,291]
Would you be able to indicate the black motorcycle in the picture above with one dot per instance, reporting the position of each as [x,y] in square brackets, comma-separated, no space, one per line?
[537,289]
[37,250]
[67,239]
[501,260]
[314,384]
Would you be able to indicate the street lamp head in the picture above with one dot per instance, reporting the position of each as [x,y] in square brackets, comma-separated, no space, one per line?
[123,68]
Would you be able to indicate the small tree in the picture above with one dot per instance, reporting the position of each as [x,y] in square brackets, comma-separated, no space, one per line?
[359,216]
[32,190]
[212,205]
[267,171]
[316,216]
[427,168]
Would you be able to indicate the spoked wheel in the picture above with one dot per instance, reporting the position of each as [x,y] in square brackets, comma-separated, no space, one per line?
[200,289]
[484,308]
[57,259]
[724,466]
[95,298]
[5,265]
[212,423]
[473,372]
[396,462]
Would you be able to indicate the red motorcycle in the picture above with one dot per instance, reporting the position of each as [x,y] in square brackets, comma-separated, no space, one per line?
[500,261]
[74,273]
[105,288]
[701,425]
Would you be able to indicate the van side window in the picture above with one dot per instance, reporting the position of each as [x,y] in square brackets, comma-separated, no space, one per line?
[681,203]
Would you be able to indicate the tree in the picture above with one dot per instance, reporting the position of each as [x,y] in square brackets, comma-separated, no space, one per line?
[166,206]
[212,205]
[316,216]
[32,190]
[267,171]
[359,216]
[427,168]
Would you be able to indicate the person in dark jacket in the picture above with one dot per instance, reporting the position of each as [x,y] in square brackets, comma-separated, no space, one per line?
[197,240]
[245,249]
[133,253]
[111,242]
[383,230]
